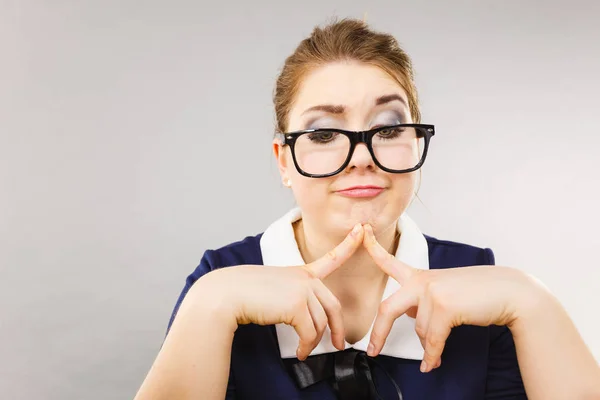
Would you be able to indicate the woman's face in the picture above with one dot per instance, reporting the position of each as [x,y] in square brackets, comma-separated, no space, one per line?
[356,97]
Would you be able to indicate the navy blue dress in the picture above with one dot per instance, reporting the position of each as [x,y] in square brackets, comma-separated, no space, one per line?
[477,362]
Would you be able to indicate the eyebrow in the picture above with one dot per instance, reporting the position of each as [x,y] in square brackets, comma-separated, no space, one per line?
[340,109]
[389,98]
[329,108]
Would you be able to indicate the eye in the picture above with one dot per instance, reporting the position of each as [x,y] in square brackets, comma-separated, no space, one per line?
[390,133]
[322,136]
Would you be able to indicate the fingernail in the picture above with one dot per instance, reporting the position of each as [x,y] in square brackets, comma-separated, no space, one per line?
[370,350]
[423,366]
[356,229]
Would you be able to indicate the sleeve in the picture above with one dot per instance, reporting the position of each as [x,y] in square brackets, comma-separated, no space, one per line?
[504,381]
[202,269]
[206,265]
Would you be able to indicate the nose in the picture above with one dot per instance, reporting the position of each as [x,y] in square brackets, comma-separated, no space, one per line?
[361,159]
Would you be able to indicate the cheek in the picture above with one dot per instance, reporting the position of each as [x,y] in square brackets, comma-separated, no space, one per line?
[403,187]
[310,193]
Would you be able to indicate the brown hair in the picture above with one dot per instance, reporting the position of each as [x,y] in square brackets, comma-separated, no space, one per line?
[345,40]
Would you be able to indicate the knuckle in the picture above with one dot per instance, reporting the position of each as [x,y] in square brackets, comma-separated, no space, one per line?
[376,337]
[386,308]
[298,310]
[299,301]
[432,343]
[303,347]
[441,307]
[336,305]
[350,239]
[331,255]
[430,356]
[434,292]
[321,324]
[423,279]
[307,273]
[421,331]
[311,337]
[428,284]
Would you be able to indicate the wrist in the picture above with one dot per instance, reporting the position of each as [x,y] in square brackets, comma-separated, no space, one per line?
[535,302]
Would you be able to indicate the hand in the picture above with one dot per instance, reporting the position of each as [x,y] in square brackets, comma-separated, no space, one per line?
[443,299]
[267,295]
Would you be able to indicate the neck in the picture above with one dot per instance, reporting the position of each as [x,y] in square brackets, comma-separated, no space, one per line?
[359,276]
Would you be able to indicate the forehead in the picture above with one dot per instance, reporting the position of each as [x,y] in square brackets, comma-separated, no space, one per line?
[351,84]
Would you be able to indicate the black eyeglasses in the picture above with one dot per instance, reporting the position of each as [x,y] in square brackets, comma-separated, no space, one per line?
[398,149]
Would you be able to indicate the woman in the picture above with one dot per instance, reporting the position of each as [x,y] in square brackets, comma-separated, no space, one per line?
[298,312]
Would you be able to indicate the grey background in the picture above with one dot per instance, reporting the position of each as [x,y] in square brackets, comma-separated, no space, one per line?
[135,135]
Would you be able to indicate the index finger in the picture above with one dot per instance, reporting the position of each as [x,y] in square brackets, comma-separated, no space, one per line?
[340,253]
[386,261]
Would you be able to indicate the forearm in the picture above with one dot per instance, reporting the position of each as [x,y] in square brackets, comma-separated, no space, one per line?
[554,361]
[195,357]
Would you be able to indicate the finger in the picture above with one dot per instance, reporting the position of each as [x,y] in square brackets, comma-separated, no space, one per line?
[422,319]
[389,310]
[336,257]
[305,328]
[333,310]
[386,261]
[318,316]
[437,334]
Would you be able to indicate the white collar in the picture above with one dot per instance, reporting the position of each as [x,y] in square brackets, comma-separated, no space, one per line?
[279,248]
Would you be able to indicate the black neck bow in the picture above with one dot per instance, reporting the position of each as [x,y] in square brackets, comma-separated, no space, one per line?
[348,371]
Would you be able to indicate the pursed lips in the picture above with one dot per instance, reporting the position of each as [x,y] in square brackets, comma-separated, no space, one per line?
[361,191]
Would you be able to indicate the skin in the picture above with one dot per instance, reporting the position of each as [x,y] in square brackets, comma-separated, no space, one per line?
[554,361]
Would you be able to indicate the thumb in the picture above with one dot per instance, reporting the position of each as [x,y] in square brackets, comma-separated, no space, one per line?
[331,261]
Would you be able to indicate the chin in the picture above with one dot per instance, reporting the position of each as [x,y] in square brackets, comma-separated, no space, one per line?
[376,214]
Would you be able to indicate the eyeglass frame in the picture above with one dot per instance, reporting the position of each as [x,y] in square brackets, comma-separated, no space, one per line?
[355,138]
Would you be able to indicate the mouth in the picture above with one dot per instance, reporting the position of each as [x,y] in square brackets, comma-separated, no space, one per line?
[361,191]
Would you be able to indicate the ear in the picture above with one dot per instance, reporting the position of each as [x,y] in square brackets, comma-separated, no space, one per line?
[281,157]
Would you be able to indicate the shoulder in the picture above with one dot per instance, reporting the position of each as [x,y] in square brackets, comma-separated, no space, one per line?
[244,251]
[450,254]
